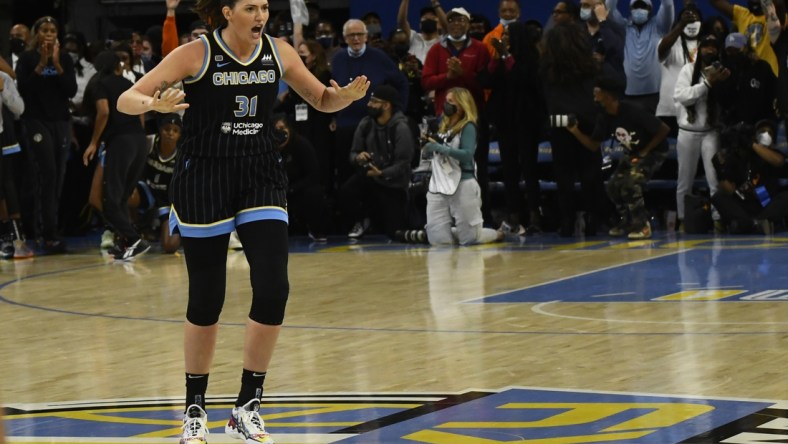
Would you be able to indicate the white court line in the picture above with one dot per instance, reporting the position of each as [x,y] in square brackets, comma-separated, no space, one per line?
[540,309]
[623,293]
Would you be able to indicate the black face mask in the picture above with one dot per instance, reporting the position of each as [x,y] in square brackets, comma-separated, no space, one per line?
[326,42]
[755,7]
[374,112]
[449,109]
[736,59]
[401,50]
[303,59]
[708,59]
[429,26]
[280,136]
[17,45]
[476,35]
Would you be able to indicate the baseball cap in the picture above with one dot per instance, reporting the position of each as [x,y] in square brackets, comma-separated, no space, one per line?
[459,11]
[735,40]
[170,118]
[387,93]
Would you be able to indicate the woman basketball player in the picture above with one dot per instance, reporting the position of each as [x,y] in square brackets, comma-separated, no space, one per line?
[229,175]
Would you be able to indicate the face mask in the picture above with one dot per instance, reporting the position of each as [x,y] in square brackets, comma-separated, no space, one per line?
[374,29]
[17,45]
[146,57]
[639,16]
[401,50]
[599,106]
[692,30]
[476,35]
[279,136]
[358,53]
[325,42]
[429,26]
[765,139]
[708,59]
[457,39]
[374,112]
[507,22]
[303,59]
[449,109]
[755,7]
[585,14]
[74,56]
[736,59]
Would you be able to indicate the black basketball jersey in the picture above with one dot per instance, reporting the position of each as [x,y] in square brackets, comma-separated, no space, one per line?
[158,173]
[230,101]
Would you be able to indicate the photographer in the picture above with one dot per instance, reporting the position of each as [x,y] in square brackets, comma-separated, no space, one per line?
[641,136]
[749,199]
[383,145]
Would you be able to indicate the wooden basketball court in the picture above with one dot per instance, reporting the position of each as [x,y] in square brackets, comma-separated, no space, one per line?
[541,341]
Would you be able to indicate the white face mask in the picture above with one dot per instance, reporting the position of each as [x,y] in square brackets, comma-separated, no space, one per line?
[508,22]
[692,30]
[765,139]
[585,14]
[640,16]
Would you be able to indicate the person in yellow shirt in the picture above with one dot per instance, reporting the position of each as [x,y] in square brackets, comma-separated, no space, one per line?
[751,22]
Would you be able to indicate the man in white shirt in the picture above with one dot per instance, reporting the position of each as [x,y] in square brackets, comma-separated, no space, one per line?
[18,38]
[432,20]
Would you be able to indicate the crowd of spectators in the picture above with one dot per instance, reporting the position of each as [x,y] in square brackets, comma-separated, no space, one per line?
[612,96]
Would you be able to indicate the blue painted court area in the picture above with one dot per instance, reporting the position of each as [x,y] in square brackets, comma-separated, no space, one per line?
[735,274]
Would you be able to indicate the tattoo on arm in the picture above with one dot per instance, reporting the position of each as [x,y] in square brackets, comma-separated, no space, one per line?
[308,96]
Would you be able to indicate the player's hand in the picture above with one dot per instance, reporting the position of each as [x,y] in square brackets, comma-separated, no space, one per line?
[169,101]
[354,90]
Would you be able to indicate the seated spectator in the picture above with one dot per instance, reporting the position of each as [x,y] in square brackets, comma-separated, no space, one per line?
[642,138]
[454,204]
[749,199]
[383,145]
[306,200]
[151,198]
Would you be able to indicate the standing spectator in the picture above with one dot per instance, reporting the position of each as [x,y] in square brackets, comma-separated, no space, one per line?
[480,26]
[383,145]
[456,61]
[751,22]
[508,13]
[327,37]
[18,41]
[678,48]
[454,213]
[431,20]
[306,200]
[697,96]
[565,13]
[750,199]
[779,41]
[642,137]
[716,25]
[750,91]
[356,60]
[47,81]
[607,38]
[568,72]
[124,137]
[308,122]
[517,109]
[641,60]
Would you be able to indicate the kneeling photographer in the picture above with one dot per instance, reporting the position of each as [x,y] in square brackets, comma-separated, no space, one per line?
[749,199]
[383,146]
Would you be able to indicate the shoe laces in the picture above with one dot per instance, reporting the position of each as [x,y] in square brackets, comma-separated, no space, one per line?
[194,426]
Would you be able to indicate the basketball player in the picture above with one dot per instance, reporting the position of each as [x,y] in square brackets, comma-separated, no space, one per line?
[229,175]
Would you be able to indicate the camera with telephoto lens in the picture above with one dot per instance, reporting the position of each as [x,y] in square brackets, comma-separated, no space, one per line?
[732,161]
[563,120]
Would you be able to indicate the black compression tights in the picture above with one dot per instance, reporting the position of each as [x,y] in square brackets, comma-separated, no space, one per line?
[265,247]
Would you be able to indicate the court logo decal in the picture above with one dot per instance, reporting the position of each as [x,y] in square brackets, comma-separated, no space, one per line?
[516,414]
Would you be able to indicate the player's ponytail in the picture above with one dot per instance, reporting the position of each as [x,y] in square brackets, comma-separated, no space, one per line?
[210,11]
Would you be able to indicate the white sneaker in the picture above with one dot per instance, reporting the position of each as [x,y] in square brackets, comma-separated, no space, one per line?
[245,423]
[107,239]
[195,426]
[359,229]
[235,243]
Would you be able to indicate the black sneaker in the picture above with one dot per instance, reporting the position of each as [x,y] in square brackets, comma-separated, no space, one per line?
[132,251]
[7,249]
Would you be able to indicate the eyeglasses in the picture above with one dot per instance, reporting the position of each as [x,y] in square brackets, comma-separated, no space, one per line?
[355,35]
[458,19]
